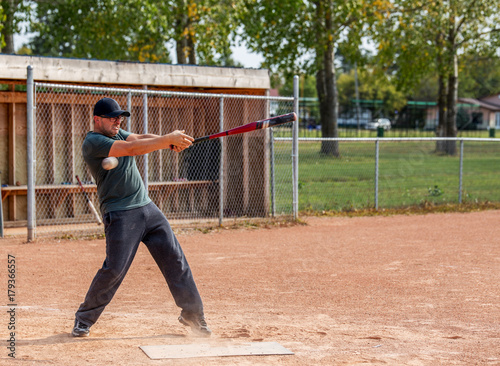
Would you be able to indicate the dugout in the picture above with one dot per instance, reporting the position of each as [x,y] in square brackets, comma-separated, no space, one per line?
[246,158]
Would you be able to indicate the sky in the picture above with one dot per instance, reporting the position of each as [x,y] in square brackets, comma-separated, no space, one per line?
[248,59]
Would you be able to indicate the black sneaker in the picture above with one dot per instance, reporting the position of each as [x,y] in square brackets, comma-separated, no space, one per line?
[197,323]
[80,329]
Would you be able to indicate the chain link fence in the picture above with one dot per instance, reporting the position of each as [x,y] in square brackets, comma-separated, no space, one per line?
[390,173]
[219,179]
[252,175]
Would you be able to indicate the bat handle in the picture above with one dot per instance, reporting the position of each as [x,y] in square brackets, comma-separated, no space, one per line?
[201,139]
[196,140]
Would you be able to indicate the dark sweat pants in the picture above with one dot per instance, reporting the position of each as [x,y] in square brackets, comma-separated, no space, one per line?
[124,232]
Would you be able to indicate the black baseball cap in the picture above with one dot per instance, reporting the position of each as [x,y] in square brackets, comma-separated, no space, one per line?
[108,107]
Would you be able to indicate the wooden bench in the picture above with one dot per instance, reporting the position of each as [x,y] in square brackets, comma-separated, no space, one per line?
[58,193]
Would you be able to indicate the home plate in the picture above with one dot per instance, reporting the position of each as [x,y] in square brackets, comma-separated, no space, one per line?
[206,350]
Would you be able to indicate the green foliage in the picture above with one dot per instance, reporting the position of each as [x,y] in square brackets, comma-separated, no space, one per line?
[418,38]
[134,30]
[128,30]
[214,30]
[300,37]
[307,85]
[279,30]
[291,34]
[479,76]
[24,50]
[435,191]
[12,14]
[2,20]
[372,86]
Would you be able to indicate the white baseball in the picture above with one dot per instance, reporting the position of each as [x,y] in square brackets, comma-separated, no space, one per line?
[109,163]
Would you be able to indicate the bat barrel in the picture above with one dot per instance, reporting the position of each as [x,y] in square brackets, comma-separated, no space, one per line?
[253,126]
[279,120]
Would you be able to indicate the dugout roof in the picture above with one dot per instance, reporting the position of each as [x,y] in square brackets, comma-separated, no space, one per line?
[117,73]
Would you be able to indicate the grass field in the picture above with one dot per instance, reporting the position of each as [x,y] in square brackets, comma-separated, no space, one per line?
[395,132]
[410,173]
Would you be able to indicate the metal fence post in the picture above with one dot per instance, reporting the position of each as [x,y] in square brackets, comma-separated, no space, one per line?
[461,171]
[30,85]
[129,108]
[295,149]
[271,159]
[145,131]
[273,181]
[221,163]
[377,150]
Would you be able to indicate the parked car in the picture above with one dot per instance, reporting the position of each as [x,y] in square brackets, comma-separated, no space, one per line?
[379,122]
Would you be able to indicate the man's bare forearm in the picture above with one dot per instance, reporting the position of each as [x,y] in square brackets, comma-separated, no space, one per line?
[139,146]
[145,144]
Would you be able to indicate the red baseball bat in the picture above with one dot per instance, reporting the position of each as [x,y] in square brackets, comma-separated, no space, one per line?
[252,126]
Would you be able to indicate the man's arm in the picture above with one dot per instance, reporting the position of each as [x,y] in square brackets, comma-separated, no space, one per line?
[134,136]
[144,144]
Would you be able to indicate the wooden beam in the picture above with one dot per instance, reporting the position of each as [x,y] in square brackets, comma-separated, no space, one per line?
[12,154]
[12,97]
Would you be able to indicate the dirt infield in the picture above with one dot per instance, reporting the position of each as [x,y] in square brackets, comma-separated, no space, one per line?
[399,290]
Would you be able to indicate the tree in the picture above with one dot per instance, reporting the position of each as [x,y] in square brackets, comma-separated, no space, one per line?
[135,30]
[479,76]
[12,13]
[296,36]
[102,29]
[2,19]
[372,86]
[420,37]
[203,29]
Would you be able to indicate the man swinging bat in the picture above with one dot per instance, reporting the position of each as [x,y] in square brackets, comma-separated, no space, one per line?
[130,217]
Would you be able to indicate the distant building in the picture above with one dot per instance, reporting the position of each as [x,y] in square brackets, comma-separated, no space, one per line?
[472,114]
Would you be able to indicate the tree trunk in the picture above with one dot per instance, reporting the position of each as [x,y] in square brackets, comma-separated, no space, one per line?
[191,48]
[185,51]
[451,108]
[326,86]
[9,44]
[180,47]
[185,47]
[441,128]
[8,30]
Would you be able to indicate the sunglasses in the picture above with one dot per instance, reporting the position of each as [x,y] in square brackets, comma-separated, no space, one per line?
[114,119]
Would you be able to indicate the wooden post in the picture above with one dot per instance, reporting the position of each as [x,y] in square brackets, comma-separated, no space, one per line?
[12,153]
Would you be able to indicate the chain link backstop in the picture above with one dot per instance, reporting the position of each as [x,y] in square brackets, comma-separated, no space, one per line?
[207,183]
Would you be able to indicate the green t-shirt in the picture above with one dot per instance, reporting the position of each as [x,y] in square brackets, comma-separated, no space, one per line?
[120,188]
